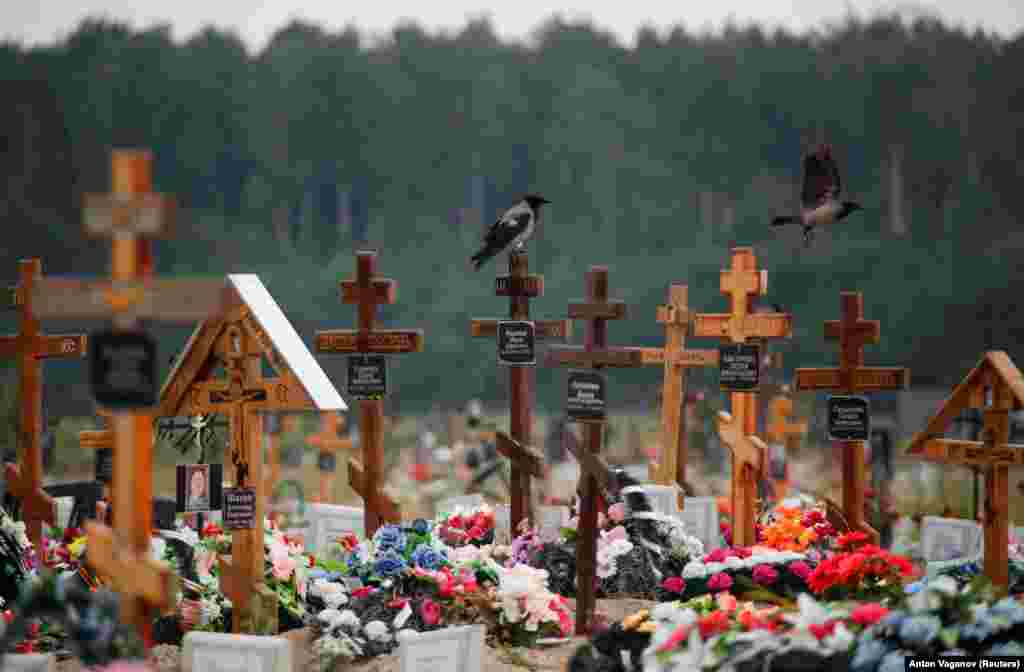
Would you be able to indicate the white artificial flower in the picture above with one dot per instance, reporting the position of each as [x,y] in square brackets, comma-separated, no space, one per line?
[694,570]
[188,535]
[157,546]
[348,619]
[335,600]
[377,631]
[330,617]
[944,585]
[732,562]
[209,611]
[714,567]
[811,613]
[840,640]
[402,617]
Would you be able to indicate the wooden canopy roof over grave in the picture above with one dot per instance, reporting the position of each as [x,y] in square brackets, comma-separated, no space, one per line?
[301,383]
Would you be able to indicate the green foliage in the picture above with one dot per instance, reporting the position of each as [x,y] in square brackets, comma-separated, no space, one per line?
[624,141]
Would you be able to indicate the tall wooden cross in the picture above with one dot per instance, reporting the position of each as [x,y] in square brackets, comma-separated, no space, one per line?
[327,442]
[28,346]
[851,376]
[676,317]
[597,309]
[520,286]
[996,387]
[130,216]
[741,283]
[780,429]
[367,291]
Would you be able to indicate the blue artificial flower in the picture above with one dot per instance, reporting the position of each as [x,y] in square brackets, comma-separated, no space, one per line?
[892,621]
[979,630]
[867,655]
[389,564]
[426,557]
[919,631]
[953,653]
[1009,609]
[316,573]
[914,587]
[421,526]
[389,537]
[1005,649]
[893,662]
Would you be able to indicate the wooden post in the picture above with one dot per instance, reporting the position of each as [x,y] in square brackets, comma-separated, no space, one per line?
[853,332]
[328,442]
[520,286]
[780,429]
[742,282]
[596,310]
[367,291]
[130,215]
[28,346]
[272,430]
[996,387]
[676,317]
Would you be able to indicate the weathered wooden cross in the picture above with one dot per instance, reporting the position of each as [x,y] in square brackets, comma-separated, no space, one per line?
[254,329]
[851,376]
[28,346]
[996,387]
[367,291]
[130,216]
[676,317]
[741,283]
[780,429]
[520,286]
[328,441]
[597,309]
[748,451]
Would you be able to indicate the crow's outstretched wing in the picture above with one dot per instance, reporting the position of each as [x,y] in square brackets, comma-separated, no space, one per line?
[821,179]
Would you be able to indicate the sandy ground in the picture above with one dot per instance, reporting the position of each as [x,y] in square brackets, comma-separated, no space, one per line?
[553,658]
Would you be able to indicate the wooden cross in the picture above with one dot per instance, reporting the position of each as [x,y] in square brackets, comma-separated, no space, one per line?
[367,291]
[328,441]
[742,282]
[130,215]
[996,387]
[851,376]
[520,286]
[387,508]
[28,346]
[748,451]
[780,429]
[597,309]
[675,315]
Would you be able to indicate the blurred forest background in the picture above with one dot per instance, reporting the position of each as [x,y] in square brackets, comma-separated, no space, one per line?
[657,159]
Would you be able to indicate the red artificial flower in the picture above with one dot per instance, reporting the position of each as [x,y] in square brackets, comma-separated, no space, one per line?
[362,591]
[823,577]
[824,530]
[211,530]
[457,522]
[717,555]
[868,614]
[742,552]
[312,561]
[822,630]
[430,611]
[812,518]
[398,603]
[674,584]
[720,581]
[33,629]
[348,540]
[800,569]
[714,623]
[851,539]
[71,533]
[8,616]
[476,532]
[25,647]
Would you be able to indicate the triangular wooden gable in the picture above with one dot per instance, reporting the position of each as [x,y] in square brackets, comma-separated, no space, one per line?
[200,355]
[997,372]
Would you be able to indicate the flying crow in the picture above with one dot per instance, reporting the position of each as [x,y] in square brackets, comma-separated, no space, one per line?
[513,228]
[819,200]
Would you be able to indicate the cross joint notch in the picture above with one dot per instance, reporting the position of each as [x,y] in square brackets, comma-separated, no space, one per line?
[132,573]
[526,457]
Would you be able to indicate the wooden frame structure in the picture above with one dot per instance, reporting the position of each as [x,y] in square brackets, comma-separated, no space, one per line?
[328,441]
[996,387]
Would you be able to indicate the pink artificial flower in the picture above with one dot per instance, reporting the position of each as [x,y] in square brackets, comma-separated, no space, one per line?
[765,575]
[601,520]
[674,584]
[800,569]
[362,592]
[720,581]
[726,601]
[868,614]
[283,565]
[574,523]
[717,555]
[617,512]
[617,533]
[430,612]
[681,634]
[742,552]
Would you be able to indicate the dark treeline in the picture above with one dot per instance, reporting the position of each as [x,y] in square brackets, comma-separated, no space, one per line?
[657,159]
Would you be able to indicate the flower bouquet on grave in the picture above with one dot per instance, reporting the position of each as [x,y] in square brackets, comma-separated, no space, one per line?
[286,567]
[526,610]
[467,526]
[791,528]
[943,619]
[861,571]
[757,573]
[15,559]
[968,570]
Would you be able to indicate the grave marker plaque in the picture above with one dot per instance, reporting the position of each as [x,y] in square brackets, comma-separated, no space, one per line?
[239,508]
[739,366]
[367,377]
[327,463]
[586,396]
[516,343]
[849,418]
[123,369]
